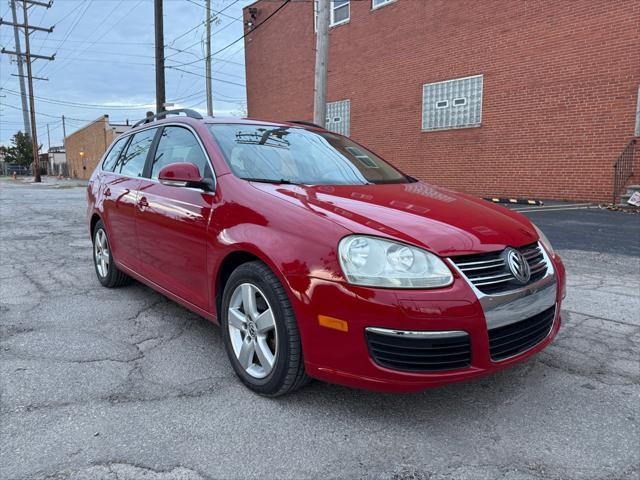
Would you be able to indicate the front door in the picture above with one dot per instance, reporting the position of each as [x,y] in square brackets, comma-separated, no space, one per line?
[120,185]
[172,222]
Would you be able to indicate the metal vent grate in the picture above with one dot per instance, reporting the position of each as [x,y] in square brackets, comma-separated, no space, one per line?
[516,338]
[419,353]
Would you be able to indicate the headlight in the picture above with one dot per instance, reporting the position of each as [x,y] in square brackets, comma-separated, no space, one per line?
[544,240]
[375,262]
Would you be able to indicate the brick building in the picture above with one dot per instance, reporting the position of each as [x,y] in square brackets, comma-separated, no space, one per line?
[85,146]
[501,97]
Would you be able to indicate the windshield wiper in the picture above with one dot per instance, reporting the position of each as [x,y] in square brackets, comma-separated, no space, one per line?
[269,180]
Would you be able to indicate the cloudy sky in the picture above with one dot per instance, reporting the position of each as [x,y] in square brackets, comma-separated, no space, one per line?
[105,62]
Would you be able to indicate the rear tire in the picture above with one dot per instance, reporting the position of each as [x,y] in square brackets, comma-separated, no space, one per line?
[260,332]
[108,274]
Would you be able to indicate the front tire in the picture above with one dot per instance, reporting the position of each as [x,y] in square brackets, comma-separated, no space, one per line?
[106,270]
[260,332]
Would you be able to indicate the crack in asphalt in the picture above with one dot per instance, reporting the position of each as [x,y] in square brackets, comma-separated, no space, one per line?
[123,470]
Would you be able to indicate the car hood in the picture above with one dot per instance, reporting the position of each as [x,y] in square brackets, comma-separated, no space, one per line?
[438,219]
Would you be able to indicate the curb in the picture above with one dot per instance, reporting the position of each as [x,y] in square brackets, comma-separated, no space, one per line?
[515,201]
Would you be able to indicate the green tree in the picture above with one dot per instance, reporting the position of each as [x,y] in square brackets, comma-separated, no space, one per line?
[19,151]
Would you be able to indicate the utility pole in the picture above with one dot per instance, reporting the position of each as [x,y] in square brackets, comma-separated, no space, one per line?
[23,95]
[322,52]
[159,27]
[48,137]
[29,57]
[64,131]
[208,61]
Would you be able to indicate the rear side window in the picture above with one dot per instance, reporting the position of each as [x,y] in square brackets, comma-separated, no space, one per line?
[132,162]
[111,159]
[178,144]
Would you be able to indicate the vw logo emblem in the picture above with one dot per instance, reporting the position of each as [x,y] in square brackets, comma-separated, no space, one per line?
[518,265]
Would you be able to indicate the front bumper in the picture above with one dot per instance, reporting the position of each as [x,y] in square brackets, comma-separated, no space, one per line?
[343,357]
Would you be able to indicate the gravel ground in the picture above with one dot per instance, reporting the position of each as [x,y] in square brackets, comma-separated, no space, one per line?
[124,384]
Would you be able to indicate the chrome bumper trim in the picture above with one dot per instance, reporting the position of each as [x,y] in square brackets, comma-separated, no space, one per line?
[510,307]
[418,333]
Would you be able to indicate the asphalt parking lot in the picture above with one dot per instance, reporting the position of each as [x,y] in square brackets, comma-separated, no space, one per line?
[124,384]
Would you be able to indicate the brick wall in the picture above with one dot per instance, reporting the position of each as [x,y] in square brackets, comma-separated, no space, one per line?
[560,86]
[93,141]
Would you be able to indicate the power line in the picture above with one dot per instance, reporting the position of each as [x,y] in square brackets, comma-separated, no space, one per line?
[81,105]
[110,42]
[243,36]
[204,76]
[219,12]
[73,26]
[108,30]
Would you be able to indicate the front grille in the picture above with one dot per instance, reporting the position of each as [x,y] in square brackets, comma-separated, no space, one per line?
[421,354]
[489,272]
[510,340]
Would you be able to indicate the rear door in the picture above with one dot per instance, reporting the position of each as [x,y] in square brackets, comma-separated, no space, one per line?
[172,222]
[120,193]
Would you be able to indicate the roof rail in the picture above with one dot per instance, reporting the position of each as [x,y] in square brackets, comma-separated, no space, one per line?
[303,122]
[190,113]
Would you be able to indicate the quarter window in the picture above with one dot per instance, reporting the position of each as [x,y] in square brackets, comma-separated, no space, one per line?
[132,162]
[178,144]
[452,104]
[113,155]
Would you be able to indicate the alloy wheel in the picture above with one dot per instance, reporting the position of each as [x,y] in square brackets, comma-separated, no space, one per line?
[252,330]
[101,253]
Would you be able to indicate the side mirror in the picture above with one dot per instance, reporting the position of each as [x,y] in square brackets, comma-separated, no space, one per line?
[183,174]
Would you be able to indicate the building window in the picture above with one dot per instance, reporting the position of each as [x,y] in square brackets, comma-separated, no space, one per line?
[380,3]
[339,117]
[452,104]
[638,114]
[339,12]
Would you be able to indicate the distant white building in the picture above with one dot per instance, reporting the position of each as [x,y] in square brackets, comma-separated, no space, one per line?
[58,161]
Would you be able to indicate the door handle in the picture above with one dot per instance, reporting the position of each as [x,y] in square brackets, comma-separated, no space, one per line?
[107,192]
[143,203]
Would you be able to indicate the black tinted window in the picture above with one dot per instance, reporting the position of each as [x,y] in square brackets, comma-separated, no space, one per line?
[296,155]
[178,144]
[132,162]
[111,159]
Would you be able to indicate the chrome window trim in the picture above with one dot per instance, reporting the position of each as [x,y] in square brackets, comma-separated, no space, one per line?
[169,124]
[513,306]
[418,333]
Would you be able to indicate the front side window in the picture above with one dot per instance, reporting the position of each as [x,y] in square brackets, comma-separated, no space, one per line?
[177,144]
[132,162]
[111,159]
[294,155]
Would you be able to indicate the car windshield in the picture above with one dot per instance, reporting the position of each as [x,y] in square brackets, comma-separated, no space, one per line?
[267,153]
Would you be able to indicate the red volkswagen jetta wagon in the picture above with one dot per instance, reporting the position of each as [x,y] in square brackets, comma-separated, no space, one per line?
[319,259]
